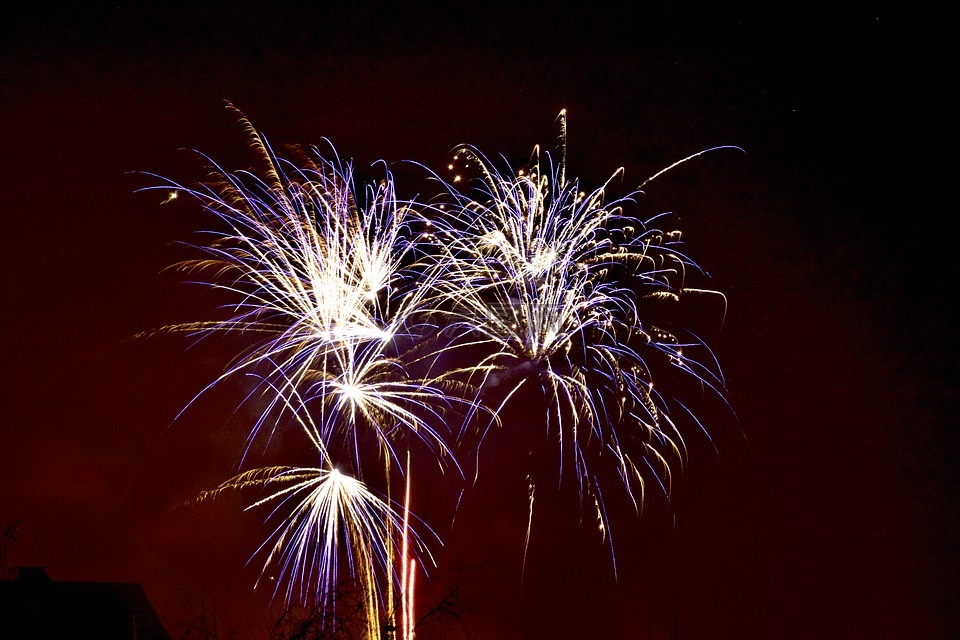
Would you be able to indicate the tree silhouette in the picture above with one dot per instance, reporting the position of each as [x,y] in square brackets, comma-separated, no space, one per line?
[7,541]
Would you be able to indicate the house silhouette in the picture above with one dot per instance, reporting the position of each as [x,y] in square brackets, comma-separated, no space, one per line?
[35,607]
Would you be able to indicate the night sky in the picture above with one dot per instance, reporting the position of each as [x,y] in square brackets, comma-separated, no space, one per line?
[827,509]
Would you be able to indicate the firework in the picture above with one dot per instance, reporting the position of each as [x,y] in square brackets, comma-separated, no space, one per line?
[328,519]
[399,328]
[327,286]
[544,281]
[323,286]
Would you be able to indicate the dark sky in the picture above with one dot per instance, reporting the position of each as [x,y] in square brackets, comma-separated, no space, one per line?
[828,511]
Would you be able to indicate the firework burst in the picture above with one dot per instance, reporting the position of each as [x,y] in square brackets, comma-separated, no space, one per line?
[327,286]
[543,282]
[322,285]
[329,519]
[396,327]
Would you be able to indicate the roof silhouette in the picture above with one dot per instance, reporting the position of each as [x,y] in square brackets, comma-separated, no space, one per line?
[35,607]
